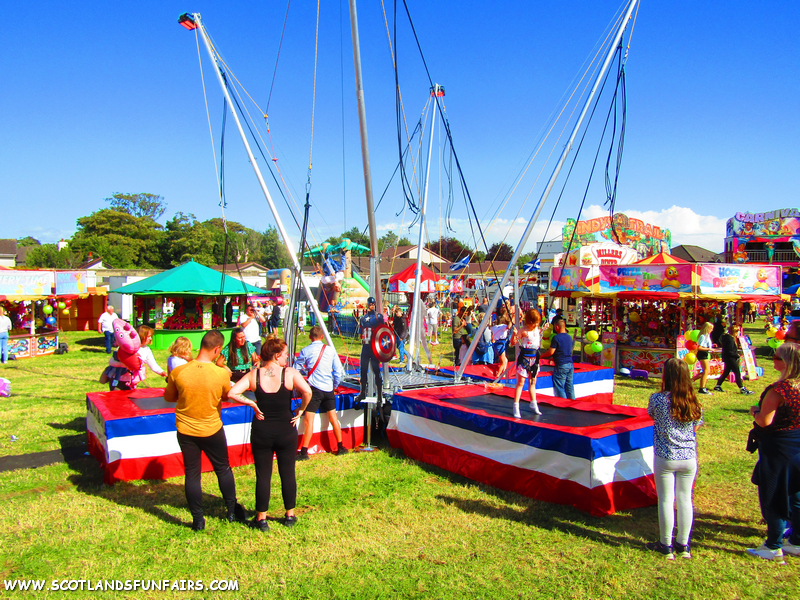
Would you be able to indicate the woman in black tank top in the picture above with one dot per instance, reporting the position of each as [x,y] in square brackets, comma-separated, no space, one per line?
[274,427]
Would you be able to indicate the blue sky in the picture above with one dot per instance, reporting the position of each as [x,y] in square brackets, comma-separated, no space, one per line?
[99,100]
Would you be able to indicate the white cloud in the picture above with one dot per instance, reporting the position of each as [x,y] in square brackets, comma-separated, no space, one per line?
[686,225]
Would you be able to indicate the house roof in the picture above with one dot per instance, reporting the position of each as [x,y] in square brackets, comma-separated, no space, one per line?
[8,247]
[93,263]
[695,254]
[246,266]
[391,252]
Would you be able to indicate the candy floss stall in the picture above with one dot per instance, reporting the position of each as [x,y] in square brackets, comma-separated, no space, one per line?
[638,316]
[186,301]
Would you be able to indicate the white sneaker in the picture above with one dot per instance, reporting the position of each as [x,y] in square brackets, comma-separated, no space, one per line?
[791,549]
[767,554]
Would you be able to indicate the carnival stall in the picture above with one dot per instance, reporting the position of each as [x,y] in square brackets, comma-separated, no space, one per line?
[186,301]
[25,296]
[637,316]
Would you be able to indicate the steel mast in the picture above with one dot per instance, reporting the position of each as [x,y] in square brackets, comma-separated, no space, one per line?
[550,183]
[194,18]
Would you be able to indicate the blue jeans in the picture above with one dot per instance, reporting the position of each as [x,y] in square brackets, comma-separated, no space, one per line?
[401,349]
[4,346]
[562,381]
[109,341]
[776,524]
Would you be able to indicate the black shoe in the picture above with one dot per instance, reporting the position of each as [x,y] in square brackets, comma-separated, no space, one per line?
[238,514]
[745,391]
[198,524]
[341,450]
[302,456]
[717,388]
[682,551]
[289,521]
[261,525]
[661,549]
[704,391]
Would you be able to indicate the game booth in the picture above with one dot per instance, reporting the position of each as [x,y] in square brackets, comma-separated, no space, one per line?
[132,434]
[42,303]
[637,316]
[186,301]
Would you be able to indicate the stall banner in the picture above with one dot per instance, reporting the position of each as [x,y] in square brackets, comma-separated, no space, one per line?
[602,253]
[70,283]
[740,279]
[651,361]
[571,279]
[749,358]
[26,283]
[647,239]
[779,222]
[646,278]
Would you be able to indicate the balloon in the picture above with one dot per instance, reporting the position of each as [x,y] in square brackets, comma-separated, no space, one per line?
[691,346]
[47,309]
[597,347]
[694,335]
[68,302]
[38,322]
[545,344]
[50,321]
[774,343]
[690,358]
[588,349]
[780,334]
[592,336]
[634,317]
[771,332]
[546,334]
[687,335]
[65,312]
[62,305]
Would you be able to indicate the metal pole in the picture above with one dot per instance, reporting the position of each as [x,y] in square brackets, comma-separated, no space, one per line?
[418,273]
[516,307]
[550,183]
[287,242]
[374,284]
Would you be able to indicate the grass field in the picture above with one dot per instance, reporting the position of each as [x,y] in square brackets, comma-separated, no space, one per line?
[371,525]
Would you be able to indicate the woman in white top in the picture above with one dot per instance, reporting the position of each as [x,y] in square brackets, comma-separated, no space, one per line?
[530,340]
[180,353]
[704,356]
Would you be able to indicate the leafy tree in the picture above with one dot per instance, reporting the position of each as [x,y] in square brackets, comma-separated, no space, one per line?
[354,234]
[449,248]
[48,256]
[28,241]
[244,244]
[500,251]
[186,239]
[274,252]
[123,240]
[404,241]
[387,240]
[139,205]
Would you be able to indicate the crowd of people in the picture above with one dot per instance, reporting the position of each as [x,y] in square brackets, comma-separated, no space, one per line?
[222,371]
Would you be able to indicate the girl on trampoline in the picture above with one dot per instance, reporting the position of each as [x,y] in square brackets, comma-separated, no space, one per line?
[676,415]
[530,340]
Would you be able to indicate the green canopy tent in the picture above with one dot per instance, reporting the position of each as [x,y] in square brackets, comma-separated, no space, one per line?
[196,282]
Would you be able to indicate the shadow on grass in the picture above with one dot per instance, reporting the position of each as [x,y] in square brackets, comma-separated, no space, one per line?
[147,496]
[629,528]
[52,375]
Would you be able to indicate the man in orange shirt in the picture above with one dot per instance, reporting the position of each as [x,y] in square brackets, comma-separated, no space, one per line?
[199,387]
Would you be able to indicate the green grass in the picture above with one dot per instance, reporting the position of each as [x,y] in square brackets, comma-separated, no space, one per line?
[371,525]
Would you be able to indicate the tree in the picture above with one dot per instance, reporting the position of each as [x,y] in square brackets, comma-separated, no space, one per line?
[404,241]
[244,244]
[48,256]
[449,248]
[187,239]
[387,240]
[500,251]
[274,252]
[28,241]
[123,240]
[139,205]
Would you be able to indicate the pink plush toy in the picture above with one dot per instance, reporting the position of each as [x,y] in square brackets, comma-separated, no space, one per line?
[129,343]
[5,388]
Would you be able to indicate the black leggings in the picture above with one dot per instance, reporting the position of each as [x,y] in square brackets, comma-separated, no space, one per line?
[280,439]
[731,366]
[216,449]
